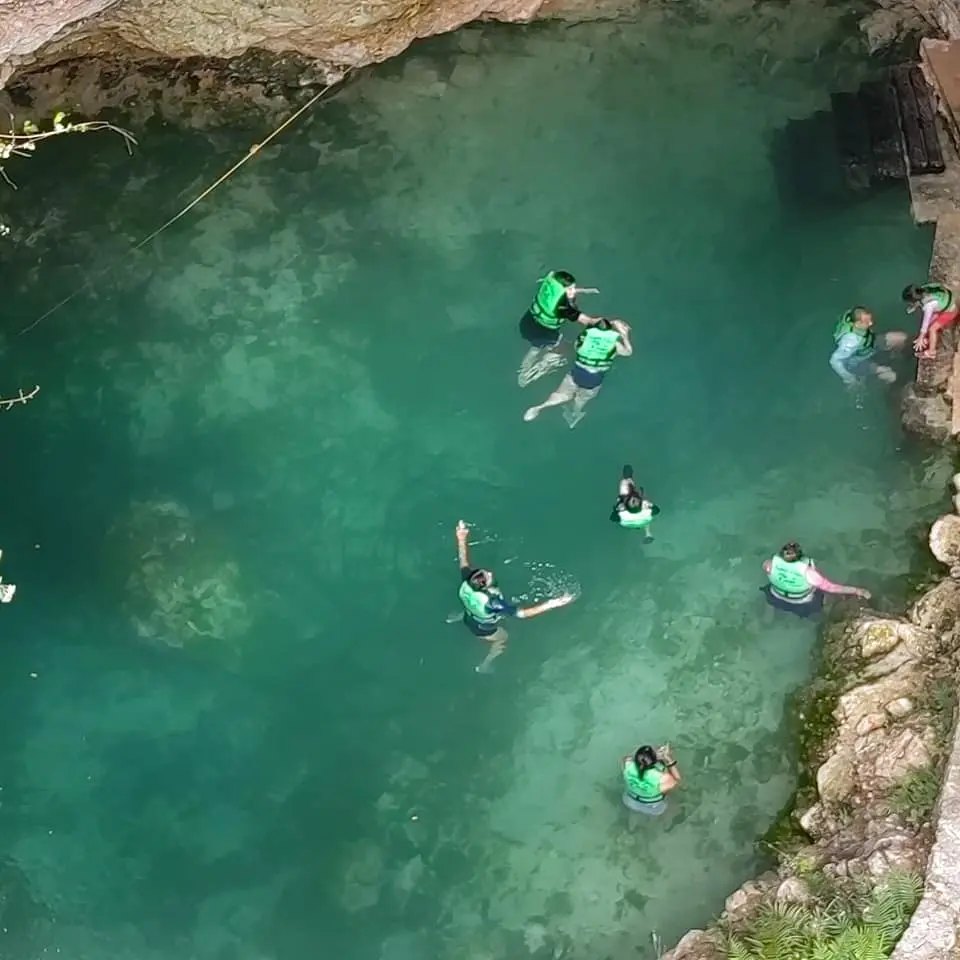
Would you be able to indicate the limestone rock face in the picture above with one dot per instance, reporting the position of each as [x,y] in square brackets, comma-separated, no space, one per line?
[945,541]
[339,33]
[926,414]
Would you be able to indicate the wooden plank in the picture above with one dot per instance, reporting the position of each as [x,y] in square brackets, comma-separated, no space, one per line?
[880,109]
[927,116]
[909,115]
[853,139]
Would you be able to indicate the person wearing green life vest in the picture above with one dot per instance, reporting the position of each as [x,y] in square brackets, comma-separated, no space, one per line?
[855,345]
[648,776]
[795,585]
[632,509]
[554,304]
[484,606]
[596,349]
[940,311]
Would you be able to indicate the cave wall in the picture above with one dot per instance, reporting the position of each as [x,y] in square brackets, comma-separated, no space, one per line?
[337,33]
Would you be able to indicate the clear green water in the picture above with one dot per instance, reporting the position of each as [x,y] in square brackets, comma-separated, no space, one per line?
[255,439]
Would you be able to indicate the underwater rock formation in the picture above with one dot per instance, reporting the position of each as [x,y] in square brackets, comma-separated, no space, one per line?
[179,590]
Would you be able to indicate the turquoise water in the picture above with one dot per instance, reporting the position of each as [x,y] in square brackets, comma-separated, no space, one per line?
[235,722]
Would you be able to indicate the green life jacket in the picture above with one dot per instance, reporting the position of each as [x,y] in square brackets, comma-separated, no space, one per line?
[475,603]
[938,293]
[547,300]
[645,786]
[789,579]
[868,338]
[637,518]
[597,348]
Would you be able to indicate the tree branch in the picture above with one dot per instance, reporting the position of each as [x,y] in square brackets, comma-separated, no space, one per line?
[7,402]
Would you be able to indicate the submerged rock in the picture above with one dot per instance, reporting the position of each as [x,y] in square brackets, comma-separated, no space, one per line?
[179,589]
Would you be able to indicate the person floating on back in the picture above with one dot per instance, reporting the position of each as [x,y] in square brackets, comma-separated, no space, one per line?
[648,776]
[596,349]
[484,606]
[939,312]
[795,585]
[632,509]
[555,302]
[857,343]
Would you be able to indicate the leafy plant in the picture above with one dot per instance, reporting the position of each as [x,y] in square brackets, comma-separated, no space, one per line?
[915,796]
[940,701]
[865,926]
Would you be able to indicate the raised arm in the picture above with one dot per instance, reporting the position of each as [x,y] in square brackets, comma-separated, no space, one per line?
[671,776]
[463,550]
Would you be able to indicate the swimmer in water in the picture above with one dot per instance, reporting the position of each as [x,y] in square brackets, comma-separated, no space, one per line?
[632,509]
[857,343]
[596,349]
[939,312]
[555,302]
[484,606]
[648,776]
[795,584]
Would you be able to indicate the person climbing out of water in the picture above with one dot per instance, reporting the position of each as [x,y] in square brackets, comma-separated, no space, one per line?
[484,606]
[795,585]
[856,343]
[555,302]
[632,509]
[648,776]
[939,312]
[596,348]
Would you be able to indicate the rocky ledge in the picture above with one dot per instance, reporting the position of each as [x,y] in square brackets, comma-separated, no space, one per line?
[876,742]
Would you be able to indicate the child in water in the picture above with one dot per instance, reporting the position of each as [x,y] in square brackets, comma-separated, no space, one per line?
[632,509]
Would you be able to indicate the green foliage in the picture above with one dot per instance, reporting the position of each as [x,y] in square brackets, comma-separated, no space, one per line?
[864,926]
[940,702]
[915,796]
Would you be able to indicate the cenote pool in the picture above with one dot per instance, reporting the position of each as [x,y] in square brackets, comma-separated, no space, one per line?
[235,722]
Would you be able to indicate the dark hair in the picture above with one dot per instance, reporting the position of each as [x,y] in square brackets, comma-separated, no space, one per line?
[645,758]
[602,323]
[564,276]
[912,293]
[858,313]
[634,500]
[478,579]
[793,548]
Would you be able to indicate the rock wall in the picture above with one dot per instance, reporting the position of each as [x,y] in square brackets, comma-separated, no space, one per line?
[335,33]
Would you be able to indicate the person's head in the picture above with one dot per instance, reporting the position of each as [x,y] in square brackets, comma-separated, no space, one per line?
[791,552]
[566,278]
[602,323]
[645,758]
[634,501]
[862,318]
[912,295]
[480,579]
